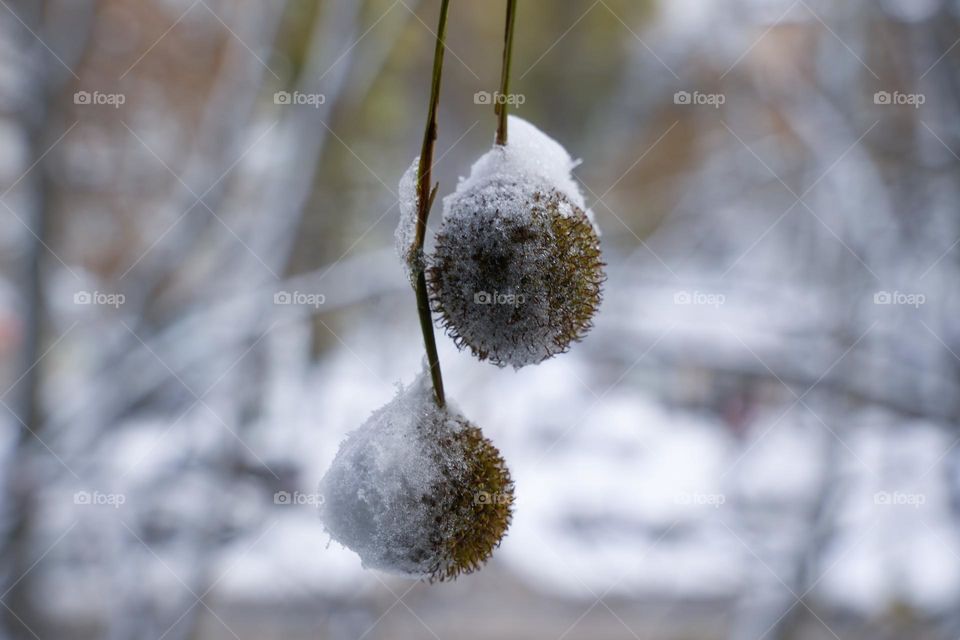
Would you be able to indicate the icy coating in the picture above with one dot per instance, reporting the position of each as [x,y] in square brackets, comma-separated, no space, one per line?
[407,228]
[531,159]
[385,489]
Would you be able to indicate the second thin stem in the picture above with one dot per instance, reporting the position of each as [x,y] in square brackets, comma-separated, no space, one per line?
[501,102]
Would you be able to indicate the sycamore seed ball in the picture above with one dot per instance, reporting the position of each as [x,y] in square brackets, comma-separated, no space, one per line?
[516,272]
[418,490]
[516,289]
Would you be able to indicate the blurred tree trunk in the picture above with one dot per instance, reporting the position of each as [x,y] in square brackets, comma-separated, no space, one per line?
[20,616]
[44,74]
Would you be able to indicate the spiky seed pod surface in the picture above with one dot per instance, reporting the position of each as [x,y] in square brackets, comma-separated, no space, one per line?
[516,273]
[418,490]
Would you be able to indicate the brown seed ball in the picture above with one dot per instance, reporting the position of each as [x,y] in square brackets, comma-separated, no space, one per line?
[516,273]
[481,507]
[418,490]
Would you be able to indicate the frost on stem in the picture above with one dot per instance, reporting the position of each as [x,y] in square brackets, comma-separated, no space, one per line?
[417,490]
[517,270]
[407,228]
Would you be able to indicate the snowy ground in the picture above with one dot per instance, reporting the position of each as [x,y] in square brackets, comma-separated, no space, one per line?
[618,493]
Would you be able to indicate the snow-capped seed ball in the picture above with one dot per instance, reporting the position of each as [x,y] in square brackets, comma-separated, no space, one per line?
[418,490]
[516,273]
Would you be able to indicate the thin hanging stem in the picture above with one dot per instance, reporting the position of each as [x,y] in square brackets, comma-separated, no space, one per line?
[425,197]
[501,103]
[430,133]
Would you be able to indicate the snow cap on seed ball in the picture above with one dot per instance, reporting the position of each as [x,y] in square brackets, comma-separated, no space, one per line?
[417,490]
[407,227]
[516,273]
[530,158]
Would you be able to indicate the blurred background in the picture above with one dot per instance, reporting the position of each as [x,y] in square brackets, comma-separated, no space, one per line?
[199,297]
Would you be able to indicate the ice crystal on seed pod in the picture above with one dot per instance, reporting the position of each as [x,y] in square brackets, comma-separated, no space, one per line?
[418,490]
[407,228]
[517,272]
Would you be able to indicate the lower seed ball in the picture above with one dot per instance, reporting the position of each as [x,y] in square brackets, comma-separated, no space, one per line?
[418,490]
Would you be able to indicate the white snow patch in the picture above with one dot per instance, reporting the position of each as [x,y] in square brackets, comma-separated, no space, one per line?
[379,496]
[531,159]
[407,228]
[281,563]
[601,506]
[896,541]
